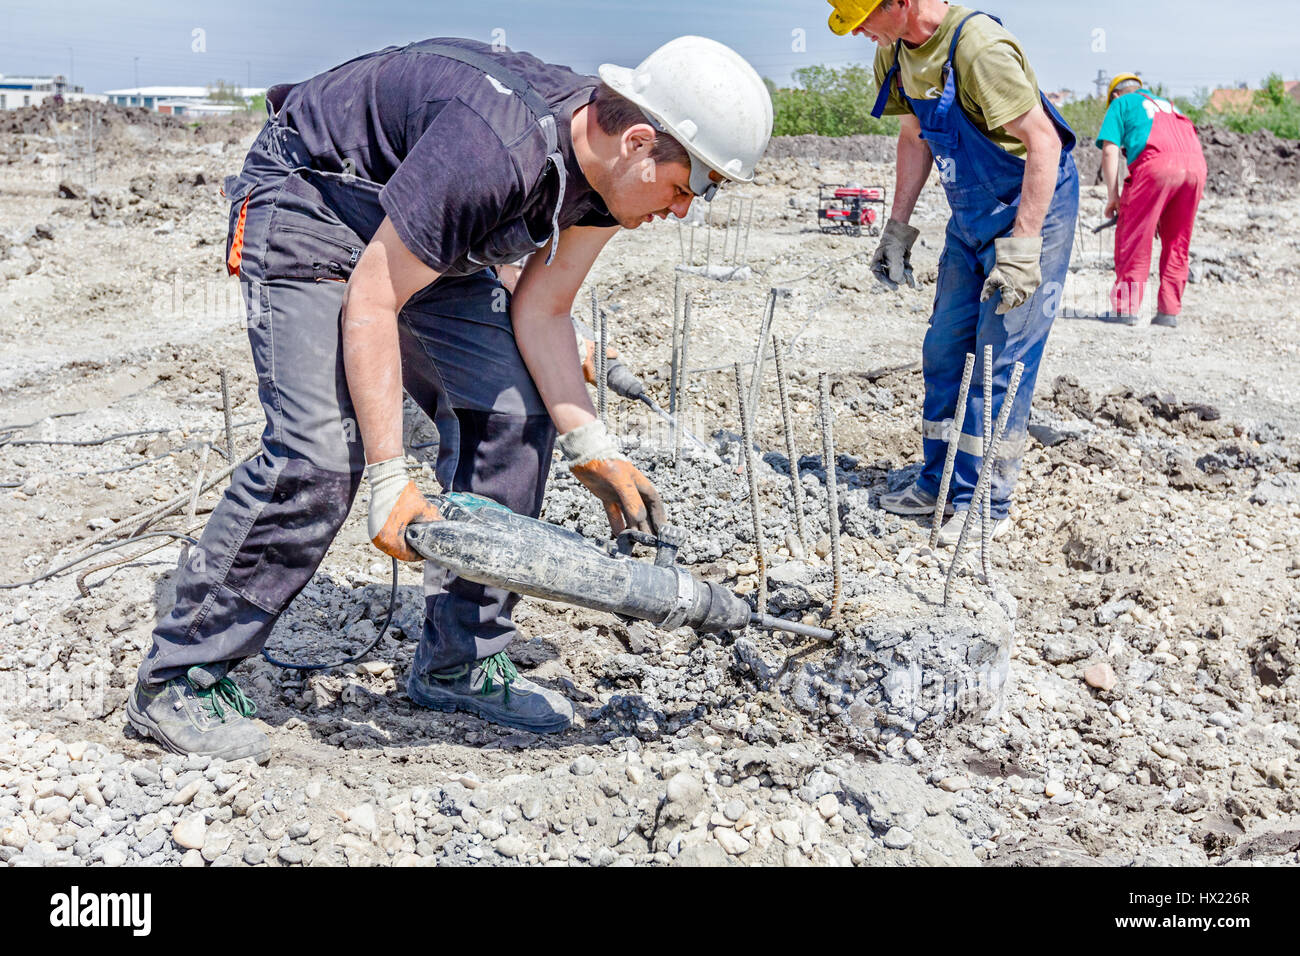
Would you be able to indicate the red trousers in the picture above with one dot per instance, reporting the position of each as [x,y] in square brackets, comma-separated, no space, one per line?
[1163,189]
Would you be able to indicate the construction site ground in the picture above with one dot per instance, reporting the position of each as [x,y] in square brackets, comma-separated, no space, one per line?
[1152,707]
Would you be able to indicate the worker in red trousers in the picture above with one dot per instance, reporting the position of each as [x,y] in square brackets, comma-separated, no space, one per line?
[1166,179]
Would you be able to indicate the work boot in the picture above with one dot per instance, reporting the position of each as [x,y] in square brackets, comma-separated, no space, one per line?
[1165,319]
[951,530]
[203,712]
[910,501]
[493,689]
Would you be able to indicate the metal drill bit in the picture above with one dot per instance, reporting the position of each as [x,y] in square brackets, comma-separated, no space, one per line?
[769,623]
[954,439]
[796,486]
[760,547]
[686,341]
[986,503]
[832,494]
[602,385]
[760,353]
[986,475]
[225,408]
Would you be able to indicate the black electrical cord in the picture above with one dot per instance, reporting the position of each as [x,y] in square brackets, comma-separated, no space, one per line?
[108,547]
[392,606]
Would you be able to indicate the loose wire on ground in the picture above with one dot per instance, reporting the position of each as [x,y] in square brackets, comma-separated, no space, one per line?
[392,606]
[90,554]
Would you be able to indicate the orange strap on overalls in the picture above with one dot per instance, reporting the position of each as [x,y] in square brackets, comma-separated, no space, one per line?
[237,241]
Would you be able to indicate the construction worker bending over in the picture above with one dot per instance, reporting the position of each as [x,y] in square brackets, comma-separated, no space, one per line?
[1166,179]
[968,99]
[362,227]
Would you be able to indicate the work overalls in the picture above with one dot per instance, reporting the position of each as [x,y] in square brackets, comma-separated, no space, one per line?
[295,235]
[983,183]
[1163,190]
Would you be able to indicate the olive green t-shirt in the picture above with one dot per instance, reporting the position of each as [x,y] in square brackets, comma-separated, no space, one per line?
[995,83]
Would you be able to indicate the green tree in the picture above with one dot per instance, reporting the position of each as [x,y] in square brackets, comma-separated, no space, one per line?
[829,101]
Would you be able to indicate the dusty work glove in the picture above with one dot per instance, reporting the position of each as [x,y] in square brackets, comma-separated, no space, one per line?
[892,263]
[395,502]
[630,500]
[1017,273]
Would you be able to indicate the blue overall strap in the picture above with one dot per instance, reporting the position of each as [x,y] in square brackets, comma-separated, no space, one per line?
[882,98]
[950,70]
[532,99]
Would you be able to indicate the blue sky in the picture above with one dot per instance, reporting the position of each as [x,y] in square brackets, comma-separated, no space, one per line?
[1186,45]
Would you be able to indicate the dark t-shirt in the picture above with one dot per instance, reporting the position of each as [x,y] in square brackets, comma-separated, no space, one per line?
[457,154]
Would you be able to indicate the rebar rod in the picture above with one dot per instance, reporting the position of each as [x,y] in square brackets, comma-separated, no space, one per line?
[760,547]
[225,408]
[691,258]
[708,239]
[748,226]
[986,473]
[681,384]
[832,492]
[954,440]
[796,486]
[598,322]
[760,352]
[986,503]
[675,345]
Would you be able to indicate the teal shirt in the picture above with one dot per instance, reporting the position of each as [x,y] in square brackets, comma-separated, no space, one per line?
[1128,122]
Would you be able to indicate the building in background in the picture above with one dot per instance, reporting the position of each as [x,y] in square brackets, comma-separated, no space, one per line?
[185,100]
[19,91]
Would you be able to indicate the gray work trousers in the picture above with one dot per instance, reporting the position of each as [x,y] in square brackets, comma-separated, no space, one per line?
[303,231]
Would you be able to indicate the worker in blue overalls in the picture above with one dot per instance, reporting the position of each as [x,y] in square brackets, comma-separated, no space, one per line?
[967,97]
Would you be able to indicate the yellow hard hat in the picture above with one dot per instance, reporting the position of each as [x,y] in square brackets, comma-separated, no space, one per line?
[1120,78]
[849,14]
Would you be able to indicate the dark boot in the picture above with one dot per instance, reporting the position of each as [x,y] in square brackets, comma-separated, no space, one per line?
[203,712]
[492,689]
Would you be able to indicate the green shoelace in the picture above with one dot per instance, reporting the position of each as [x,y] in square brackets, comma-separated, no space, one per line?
[498,668]
[226,690]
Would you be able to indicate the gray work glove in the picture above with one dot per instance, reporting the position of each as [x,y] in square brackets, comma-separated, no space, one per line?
[892,263]
[1017,273]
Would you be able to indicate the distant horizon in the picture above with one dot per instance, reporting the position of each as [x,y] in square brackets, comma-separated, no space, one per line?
[183,43]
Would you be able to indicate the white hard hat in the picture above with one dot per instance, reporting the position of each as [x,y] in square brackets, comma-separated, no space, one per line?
[708,98]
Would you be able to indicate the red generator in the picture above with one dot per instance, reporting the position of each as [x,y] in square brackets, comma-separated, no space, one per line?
[848,209]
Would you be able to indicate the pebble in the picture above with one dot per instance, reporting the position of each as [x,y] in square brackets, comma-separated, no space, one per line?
[583,766]
[956,784]
[189,832]
[112,854]
[1101,676]
[510,846]
[192,858]
[254,854]
[734,809]
[731,841]
[828,805]
[787,831]
[896,838]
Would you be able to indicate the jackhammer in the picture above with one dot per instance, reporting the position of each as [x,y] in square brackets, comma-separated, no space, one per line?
[485,542]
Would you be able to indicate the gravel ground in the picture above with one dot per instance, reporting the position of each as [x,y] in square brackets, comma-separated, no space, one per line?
[1136,657]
